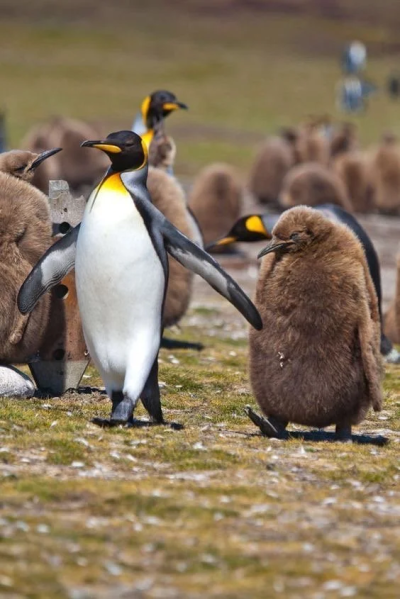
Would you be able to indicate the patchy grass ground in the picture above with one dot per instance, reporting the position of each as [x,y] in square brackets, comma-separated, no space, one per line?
[213,510]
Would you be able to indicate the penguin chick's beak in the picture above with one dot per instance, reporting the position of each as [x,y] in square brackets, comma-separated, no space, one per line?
[102,145]
[174,106]
[223,241]
[273,247]
[42,157]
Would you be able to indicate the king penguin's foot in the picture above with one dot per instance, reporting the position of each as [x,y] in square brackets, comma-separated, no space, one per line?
[122,408]
[270,427]
[343,433]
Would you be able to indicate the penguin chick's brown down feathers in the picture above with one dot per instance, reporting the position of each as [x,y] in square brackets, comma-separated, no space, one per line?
[25,234]
[385,170]
[312,184]
[168,196]
[354,170]
[216,200]
[273,160]
[316,361]
[391,320]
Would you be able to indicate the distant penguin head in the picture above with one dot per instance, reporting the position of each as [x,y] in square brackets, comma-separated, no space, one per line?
[159,105]
[22,164]
[248,228]
[126,150]
[297,229]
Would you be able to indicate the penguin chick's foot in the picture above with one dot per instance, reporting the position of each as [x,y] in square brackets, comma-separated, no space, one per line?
[270,427]
[343,433]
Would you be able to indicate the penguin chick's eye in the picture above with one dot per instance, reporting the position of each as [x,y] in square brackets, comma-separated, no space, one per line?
[20,169]
[295,236]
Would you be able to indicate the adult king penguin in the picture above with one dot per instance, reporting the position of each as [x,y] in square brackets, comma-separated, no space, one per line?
[153,111]
[121,271]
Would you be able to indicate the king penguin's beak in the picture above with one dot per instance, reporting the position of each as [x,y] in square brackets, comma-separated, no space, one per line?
[42,157]
[102,145]
[175,106]
[274,246]
[223,241]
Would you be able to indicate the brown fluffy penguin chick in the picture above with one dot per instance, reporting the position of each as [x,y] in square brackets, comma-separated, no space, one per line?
[18,163]
[168,196]
[312,144]
[354,170]
[82,169]
[25,234]
[312,184]
[216,200]
[316,361]
[385,171]
[344,139]
[391,320]
[273,160]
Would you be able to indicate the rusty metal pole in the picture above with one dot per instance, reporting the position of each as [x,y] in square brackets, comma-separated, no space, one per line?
[62,357]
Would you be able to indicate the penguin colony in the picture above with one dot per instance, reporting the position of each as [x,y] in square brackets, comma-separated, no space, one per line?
[314,164]
[363,180]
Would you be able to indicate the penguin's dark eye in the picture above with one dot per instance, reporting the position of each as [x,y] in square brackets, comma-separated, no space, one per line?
[20,169]
[295,236]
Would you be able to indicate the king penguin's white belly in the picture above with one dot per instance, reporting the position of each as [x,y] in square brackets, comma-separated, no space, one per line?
[120,286]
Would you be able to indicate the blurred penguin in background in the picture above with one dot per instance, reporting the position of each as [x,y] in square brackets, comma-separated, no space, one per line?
[216,200]
[312,184]
[274,158]
[385,172]
[82,170]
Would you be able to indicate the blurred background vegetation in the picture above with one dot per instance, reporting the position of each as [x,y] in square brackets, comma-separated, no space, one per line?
[245,67]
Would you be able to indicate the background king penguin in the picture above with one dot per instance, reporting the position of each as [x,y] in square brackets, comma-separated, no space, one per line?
[120,255]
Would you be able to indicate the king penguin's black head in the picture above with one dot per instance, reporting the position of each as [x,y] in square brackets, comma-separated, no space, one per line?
[125,149]
[248,228]
[159,105]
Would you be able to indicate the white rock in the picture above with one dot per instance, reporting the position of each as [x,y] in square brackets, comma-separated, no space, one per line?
[14,383]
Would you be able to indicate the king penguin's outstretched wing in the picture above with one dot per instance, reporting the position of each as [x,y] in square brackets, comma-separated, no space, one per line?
[51,268]
[194,258]
[188,253]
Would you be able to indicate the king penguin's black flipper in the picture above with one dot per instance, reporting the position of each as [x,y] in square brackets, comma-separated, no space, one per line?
[51,268]
[194,258]
[187,253]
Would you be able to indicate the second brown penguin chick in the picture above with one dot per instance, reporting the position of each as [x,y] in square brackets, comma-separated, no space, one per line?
[216,200]
[168,196]
[317,359]
[312,184]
